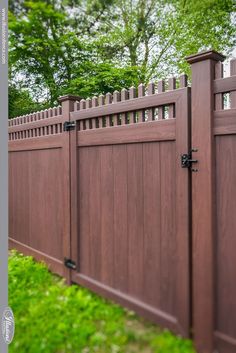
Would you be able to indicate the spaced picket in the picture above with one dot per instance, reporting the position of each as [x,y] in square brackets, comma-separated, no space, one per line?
[132,95]
[151,90]
[88,105]
[124,96]
[82,105]
[183,81]
[101,101]
[219,97]
[161,110]
[116,99]
[233,73]
[141,93]
[171,86]
[108,100]
[94,104]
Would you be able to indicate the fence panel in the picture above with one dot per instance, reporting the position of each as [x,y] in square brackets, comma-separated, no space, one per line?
[132,241]
[39,222]
[225,262]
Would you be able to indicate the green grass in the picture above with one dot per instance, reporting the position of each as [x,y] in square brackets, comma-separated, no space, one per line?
[51,317]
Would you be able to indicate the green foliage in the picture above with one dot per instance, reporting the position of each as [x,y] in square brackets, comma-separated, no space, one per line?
[21,103]
[53,318]
[100,79]
[94,46]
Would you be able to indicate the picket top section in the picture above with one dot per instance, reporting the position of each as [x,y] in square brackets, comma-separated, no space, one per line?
[36,116]
[153,102]
[156,101]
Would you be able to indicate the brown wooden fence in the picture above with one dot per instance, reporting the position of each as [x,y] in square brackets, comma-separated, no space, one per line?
[104,192]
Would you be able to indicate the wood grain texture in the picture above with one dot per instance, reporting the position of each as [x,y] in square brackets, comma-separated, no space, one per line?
[36,213]
[121,218]
[152,205]
[135,224]
[225,124]
[203,212]
[183,214]
[83,234]
[107,215]
[44,142]
[95,196]
[225,259]
[168,228]
[149,131]
[222,85]
[127,207]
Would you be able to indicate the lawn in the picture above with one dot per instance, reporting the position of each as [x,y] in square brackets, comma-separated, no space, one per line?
[51,317]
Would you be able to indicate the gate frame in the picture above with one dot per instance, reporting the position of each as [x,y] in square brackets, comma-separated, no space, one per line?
[181,98]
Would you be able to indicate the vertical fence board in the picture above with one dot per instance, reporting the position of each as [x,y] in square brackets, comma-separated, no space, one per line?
[84,211]
[219,97]
[121,217]
[135,224]
[95,212]
[152,205]
[107,215]
[232,73]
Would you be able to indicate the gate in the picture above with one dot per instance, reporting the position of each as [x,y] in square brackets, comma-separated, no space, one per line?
[131,243]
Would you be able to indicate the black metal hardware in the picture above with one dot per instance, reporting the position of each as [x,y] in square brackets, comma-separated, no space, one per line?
[68,125]
[70,264]
[186,160]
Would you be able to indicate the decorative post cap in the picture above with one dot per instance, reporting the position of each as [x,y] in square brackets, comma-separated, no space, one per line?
[205,55]
[69,97]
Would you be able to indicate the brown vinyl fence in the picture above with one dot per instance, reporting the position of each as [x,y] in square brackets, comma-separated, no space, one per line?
[104,191]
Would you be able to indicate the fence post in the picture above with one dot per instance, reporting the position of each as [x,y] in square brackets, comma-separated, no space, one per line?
[203,192]
[68,104]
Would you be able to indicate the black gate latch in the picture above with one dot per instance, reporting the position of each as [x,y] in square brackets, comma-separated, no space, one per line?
[186,160]
[69,125]
[70,264]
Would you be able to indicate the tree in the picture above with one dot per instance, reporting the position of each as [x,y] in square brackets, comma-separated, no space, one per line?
[88,47]
[158,35]
[21,103]
[42,49]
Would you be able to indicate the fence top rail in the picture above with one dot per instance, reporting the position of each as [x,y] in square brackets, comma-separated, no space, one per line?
[224,88]
[36,116]
[36,124]
[224,85]
[132,104]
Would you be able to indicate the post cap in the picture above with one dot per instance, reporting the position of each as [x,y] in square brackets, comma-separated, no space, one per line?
[68,97]
[205,55]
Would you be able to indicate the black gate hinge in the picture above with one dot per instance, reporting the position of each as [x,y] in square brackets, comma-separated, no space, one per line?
[70,264]
[69,125]
[186,160]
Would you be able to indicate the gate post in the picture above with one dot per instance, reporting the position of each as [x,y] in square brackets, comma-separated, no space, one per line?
[203,197]
[68,104]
